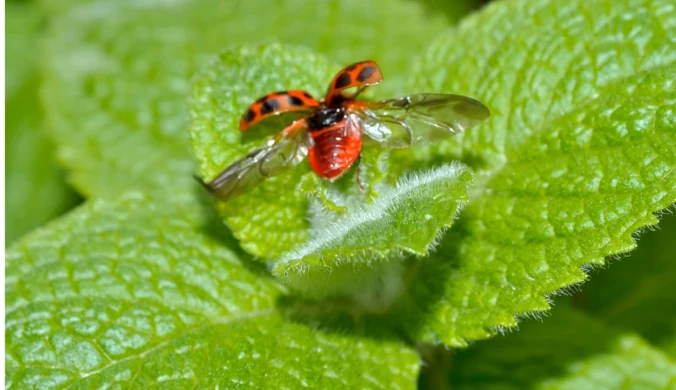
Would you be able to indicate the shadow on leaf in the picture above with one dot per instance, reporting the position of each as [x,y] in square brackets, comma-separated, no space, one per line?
[215,228]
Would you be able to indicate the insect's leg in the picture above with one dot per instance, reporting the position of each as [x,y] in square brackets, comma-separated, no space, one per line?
[361,187]
[409,131]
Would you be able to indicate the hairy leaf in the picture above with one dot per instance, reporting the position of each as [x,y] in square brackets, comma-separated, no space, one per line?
[637,293]
[275,217]
[578,154]
[138,293]
[350,252]
[35,188]
[119,72]
[566,351]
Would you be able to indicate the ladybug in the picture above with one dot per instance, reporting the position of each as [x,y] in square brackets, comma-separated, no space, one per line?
[330,131]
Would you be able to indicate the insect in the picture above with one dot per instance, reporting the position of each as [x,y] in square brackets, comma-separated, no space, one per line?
[330,131]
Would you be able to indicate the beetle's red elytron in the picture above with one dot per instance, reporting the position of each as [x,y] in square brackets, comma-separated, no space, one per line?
[330,131]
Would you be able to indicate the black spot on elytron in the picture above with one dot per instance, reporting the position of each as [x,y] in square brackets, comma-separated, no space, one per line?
[365,73]
[269,106]
[294,101]
[249,115]
[282,93]
[342,81]
[307,95]
[352,67]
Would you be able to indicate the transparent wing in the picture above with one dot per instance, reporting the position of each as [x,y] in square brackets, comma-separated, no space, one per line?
[419,119]
[285,150]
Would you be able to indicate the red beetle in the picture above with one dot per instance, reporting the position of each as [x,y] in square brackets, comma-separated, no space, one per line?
[330,131]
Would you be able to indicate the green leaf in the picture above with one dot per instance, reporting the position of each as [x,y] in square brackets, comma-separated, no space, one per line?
[566,351]
[578,154]
[35,188]
[637,292]
[530,71]
[365,245]
[118,72]
[275,216]
[139,293]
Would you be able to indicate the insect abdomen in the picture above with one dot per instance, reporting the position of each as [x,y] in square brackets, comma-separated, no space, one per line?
[335,150]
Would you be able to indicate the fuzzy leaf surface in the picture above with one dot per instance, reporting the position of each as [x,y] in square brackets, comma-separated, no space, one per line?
[404,220]
[578,153]
[138,293]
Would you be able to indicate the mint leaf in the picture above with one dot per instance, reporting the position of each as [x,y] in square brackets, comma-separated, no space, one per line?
[636,293]
[139,293]
[349,253]
[275,216]
[578,154]
[530,72]
[566,351]
[118,72]
[35,188]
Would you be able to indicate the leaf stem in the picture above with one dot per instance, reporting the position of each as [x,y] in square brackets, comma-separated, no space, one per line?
[437,361]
